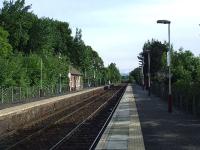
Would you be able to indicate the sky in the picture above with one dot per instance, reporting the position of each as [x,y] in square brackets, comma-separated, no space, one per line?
[118,29]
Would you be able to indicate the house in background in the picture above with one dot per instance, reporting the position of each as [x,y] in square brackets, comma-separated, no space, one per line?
[75,79]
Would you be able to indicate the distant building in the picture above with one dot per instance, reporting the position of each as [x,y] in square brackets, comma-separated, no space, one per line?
[75,79]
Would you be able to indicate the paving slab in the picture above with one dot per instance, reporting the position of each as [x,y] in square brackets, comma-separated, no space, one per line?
[124,131]
[33,113]
[22,107]
[162,130]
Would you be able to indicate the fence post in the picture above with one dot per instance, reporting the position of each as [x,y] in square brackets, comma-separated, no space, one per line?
[51,89]
[181,102]
[187,104]
[20,92]
[39,92]
[27,93]
[33,92]
[12,96]
[2,100]
[194,105]
[175,99]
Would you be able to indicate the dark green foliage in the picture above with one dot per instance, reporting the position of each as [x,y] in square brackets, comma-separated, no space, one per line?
[27,41]
[135,75]
[12,71]
[16,19]
[184,65]
[62,38]
[5,47]
[157,51]
[125,79]
[185,70]
[113,73]
[158,69]
[41,37]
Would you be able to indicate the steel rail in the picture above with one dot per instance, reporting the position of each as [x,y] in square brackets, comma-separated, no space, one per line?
[67,136]
[93,145]
[56,122]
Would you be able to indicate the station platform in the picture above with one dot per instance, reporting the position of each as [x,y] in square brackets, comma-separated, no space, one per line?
[24,115]
[124,130]
[161,130]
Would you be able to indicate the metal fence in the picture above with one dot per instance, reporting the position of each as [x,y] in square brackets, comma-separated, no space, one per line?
[160,90]
[20,94]
[187,99]
[13,95]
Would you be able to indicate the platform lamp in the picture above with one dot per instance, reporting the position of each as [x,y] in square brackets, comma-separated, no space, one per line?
[41,86]
[149,72]
[168,64]
[60,77]
[141,66]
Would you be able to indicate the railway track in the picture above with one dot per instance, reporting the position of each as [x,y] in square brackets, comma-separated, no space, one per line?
[21,135]
[88,133]
[57,135]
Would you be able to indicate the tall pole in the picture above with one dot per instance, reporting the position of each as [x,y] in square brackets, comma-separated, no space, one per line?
[168,64]
[94,78]
[41,76]
[149,75]
[60,91]
[84,81]
[60,76]
[94,74]
[69,75]
[142,71]
[170,90]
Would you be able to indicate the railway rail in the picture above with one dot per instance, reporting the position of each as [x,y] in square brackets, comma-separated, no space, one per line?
[41,124]
[78,127]
[87,134]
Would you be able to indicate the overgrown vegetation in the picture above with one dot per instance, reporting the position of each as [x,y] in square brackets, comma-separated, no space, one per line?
[28,42]
[185,69]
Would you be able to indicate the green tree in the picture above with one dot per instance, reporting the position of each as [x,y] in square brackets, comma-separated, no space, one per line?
[5,47]
[184,65]
[113,73]
[135,75]
[157,54]
[16,19]
[13,72]
[41,37]
[26,40]
[62,39]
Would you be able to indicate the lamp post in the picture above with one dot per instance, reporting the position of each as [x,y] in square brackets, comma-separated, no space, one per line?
[142,71]
[60,77]
[70,81]
[41,67]
[168,64]
[149,73]
[94,75]
[60,89]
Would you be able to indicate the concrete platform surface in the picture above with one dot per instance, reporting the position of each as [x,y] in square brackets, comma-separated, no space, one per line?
[124,130]
[161,130]
[17,117]
[23,107]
